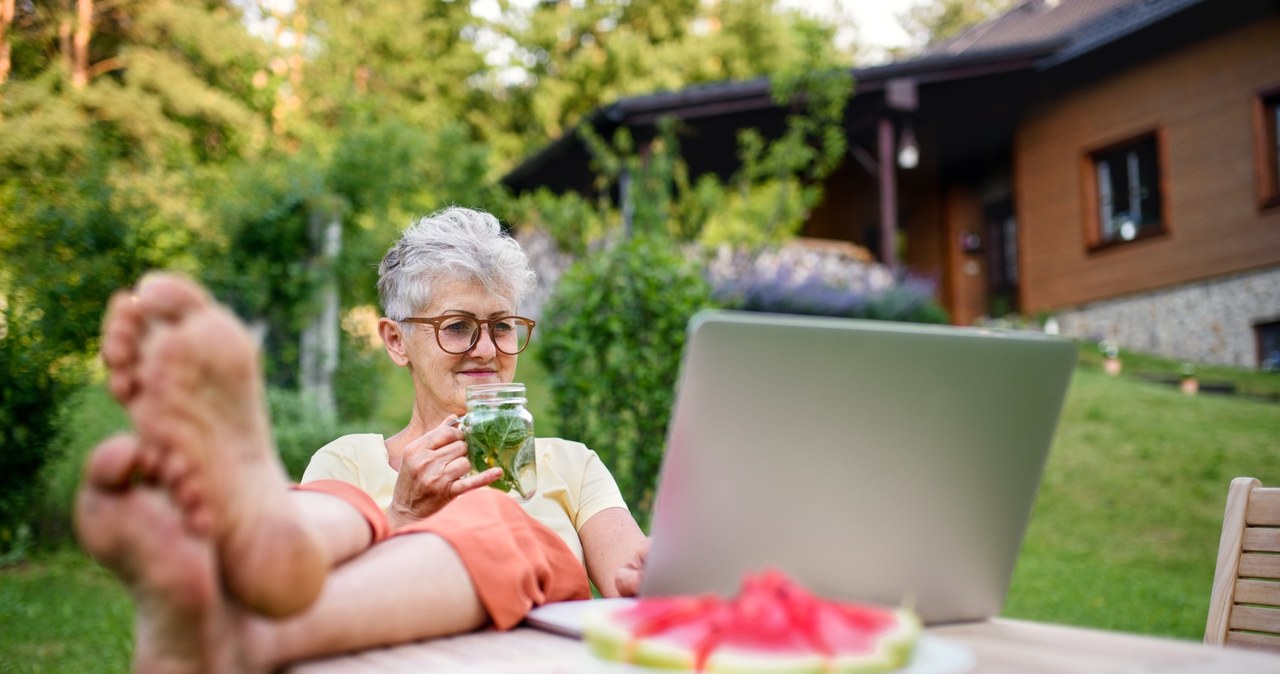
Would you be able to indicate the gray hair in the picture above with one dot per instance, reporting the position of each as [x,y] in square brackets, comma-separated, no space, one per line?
[450,245]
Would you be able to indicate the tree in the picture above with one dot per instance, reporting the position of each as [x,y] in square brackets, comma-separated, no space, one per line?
[376,60]
[936,21]
[569,58]
[106,135]
[767,199]
[8,8]
[112,115]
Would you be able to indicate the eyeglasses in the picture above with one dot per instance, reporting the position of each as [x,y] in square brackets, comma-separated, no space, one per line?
[459,333]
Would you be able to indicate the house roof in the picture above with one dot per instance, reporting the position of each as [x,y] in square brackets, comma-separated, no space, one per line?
[1030,22]
[1034,37]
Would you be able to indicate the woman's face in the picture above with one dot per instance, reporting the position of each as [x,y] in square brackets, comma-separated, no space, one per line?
[442,378]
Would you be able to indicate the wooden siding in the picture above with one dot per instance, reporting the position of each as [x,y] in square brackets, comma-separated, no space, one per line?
[920,211]
[850,207]
[1201,100]
[965,290]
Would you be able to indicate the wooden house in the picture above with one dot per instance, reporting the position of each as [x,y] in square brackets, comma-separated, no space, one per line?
[1114,164]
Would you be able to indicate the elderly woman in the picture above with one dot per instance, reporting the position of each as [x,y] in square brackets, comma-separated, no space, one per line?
[232,569]
[450,289]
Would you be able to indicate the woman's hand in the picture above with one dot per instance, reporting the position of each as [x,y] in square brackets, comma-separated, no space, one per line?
[615,551]
[628,579]
[433,472]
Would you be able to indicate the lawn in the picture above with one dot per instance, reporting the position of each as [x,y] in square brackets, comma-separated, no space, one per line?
[1123,536]
[63,614]
[1124,533]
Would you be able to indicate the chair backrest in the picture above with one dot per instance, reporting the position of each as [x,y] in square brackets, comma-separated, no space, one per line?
[1244,608]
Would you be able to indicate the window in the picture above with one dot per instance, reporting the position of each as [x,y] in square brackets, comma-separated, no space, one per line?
[1267,126]
[1126,181]
[1268,336]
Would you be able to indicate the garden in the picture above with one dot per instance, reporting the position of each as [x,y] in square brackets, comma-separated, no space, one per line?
[274,152]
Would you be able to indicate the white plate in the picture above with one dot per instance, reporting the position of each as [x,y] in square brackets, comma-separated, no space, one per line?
[936,655]
[933,655]
[566,617]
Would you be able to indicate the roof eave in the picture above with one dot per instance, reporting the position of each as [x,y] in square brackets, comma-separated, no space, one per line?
[710,100]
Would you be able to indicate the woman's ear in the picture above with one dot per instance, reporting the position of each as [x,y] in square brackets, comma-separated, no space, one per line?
[392,334]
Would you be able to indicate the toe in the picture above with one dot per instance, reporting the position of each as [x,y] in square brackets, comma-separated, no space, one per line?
[113,463]
[121,332]
[173,468]
[122,386]
[120,329]
[170,296]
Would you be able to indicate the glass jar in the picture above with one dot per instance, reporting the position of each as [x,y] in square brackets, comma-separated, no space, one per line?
[499,432]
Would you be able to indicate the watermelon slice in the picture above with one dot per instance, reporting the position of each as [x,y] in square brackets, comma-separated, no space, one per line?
[773,625]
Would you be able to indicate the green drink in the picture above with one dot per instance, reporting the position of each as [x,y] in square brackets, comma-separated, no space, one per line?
[499,433]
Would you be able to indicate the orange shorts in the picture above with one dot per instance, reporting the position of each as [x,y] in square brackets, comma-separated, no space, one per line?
[515,562]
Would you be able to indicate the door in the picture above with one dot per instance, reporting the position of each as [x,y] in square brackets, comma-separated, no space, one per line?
[1002,258]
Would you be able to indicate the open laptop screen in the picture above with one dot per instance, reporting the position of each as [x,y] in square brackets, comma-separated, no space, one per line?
[872,461]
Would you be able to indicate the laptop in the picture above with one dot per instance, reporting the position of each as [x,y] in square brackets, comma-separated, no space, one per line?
[872,461]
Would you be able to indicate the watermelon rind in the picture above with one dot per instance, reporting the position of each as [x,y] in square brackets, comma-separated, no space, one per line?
[893,649]
[610,640]
[605,639]
[657,654]
[734,661]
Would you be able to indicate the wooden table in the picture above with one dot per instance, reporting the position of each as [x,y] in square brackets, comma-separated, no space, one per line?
[999,646]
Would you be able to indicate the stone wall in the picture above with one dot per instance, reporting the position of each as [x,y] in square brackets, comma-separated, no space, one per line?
[1205,322]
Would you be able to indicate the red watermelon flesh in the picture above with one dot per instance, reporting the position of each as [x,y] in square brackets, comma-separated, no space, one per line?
[772,625]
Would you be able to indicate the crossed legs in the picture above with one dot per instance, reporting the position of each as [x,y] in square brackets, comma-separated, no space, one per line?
[230,570]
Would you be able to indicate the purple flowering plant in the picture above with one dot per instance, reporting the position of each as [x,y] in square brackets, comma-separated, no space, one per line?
[790,290]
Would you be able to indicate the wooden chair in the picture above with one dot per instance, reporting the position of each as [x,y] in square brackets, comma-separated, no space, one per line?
[1244,608]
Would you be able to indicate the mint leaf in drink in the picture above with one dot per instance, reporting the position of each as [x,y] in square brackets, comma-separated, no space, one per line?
[496,440]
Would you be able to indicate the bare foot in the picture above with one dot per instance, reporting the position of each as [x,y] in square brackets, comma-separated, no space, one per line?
[182,622]
[123,330]
[195,396]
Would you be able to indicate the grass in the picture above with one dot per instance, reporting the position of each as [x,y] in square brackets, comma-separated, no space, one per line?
[1124,533]
[1123,536]
[63,613]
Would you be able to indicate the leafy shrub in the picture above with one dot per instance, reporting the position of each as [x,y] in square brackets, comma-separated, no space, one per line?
[356,383]
[260,270]
[298,428]
[859,291]
[30,388]
[614,331]
[87,416]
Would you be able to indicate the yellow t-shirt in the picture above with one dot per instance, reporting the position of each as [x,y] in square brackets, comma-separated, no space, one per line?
[573,483]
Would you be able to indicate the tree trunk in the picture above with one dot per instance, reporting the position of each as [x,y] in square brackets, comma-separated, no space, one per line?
[6,20]
[80,44]
[319,347]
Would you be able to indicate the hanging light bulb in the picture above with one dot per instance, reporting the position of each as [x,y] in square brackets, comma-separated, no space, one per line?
[908,150]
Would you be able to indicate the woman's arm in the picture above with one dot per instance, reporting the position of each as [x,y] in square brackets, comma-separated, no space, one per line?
[614,548]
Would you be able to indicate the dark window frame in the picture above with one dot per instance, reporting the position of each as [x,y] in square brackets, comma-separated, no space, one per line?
[1096,238]
[1260,331]
[1266,125]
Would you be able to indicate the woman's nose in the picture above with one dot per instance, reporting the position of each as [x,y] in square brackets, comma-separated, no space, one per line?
[484,347]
